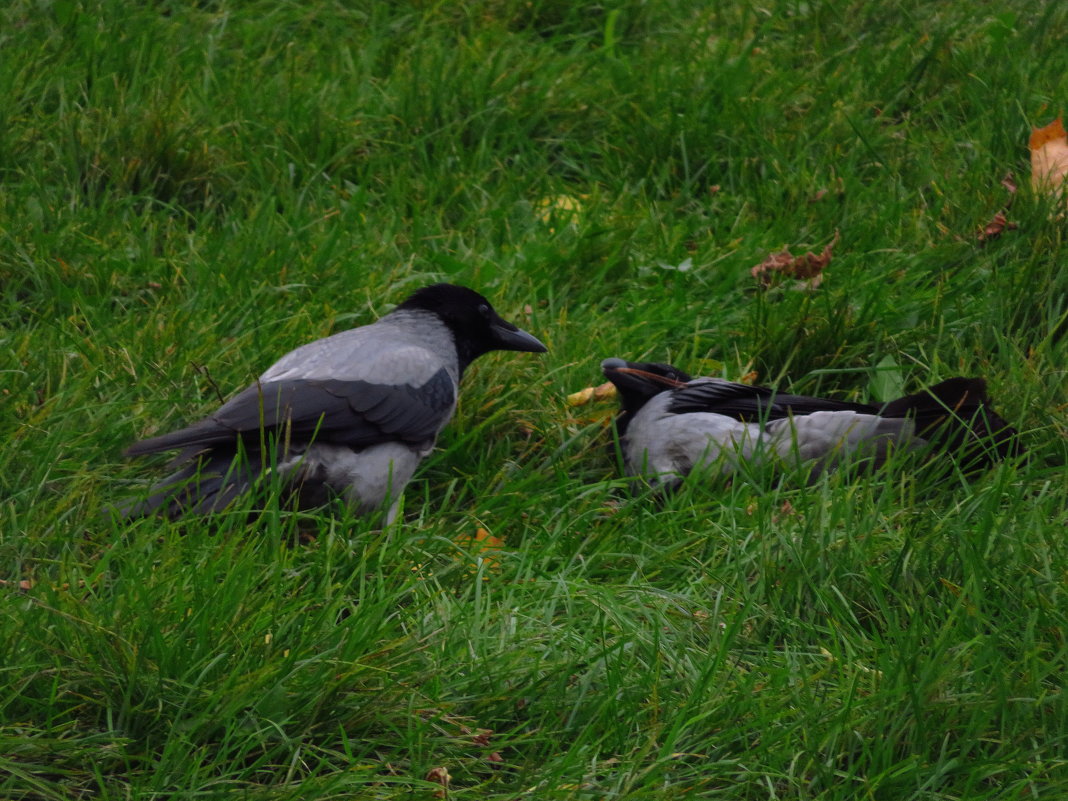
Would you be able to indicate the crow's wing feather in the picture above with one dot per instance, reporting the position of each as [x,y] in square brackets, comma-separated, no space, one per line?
[747,403]
[353,412]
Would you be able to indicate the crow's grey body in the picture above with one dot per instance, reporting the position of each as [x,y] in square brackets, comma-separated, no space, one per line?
[664,446]
[352,414]
[671,424]
[408,346]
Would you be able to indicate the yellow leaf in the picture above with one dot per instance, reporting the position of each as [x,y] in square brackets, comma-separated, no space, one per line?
[559,210]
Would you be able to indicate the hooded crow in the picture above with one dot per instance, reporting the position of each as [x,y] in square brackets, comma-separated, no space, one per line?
[671,423]
[352,414]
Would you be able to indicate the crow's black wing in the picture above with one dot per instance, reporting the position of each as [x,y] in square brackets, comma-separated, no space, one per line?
[346,412]
[743,402]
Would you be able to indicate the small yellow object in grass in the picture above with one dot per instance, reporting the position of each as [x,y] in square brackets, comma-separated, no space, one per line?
[605,391]
[559,209]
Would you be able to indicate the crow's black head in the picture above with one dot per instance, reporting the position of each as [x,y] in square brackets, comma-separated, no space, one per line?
[475,326]
[638,383]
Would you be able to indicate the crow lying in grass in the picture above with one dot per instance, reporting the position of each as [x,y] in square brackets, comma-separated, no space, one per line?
[671,423]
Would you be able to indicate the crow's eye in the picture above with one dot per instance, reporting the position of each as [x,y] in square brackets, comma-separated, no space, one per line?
[484,310]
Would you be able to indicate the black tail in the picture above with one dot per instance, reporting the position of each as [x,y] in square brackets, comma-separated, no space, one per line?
[207,482]
[955,415]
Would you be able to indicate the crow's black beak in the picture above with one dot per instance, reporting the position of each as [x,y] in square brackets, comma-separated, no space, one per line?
[619,366]
[508,337]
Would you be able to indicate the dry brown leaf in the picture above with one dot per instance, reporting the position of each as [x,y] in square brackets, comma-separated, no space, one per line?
[1049,157]
[808,266]
[786,510]
[604,391]
[949,585]
[23,584]
[439,776]
[28,584]
[998,225]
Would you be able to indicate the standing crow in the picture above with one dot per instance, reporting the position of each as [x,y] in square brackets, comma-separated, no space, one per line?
[352,414]
[671,423]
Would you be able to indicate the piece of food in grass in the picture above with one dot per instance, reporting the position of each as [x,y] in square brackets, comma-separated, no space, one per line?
[605,391]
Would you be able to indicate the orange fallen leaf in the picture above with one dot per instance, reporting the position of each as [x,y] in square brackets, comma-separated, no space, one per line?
[808,266]
[1049,157]
[483,546]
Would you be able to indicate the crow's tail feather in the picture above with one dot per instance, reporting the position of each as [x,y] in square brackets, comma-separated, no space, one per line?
[956,416]
[206,483]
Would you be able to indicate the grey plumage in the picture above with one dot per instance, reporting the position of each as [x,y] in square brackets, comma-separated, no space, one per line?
[671,424]
[351,414]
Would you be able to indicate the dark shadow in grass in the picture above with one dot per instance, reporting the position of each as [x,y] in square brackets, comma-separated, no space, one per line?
[161,161]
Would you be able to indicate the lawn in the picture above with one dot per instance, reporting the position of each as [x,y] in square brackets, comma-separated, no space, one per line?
[189,190]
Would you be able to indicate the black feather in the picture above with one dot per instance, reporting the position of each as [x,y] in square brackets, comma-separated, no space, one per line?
[206,483]
[353,413]
[955,415]
[753,404]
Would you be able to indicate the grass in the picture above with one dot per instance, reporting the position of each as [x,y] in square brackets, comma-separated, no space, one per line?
[187,191]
